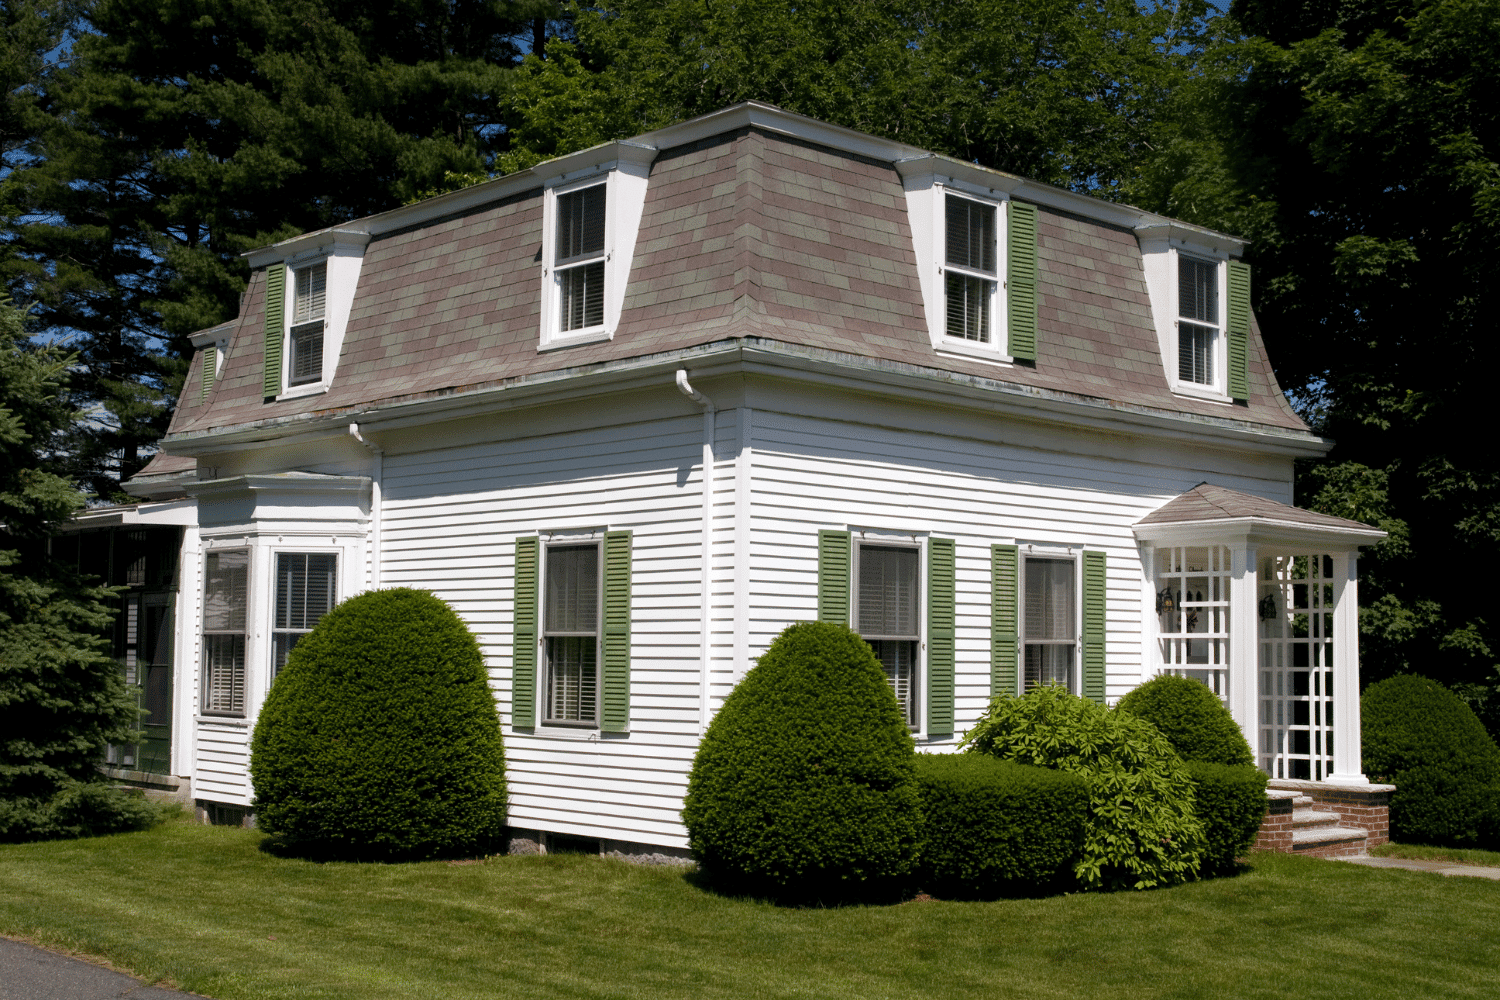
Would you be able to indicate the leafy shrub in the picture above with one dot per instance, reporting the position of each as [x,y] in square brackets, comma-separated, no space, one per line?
[992,826]
[804,784]
[79,809]
[380,739]
[1423,739]
[1231,802]
[1142,830]
[1191,717]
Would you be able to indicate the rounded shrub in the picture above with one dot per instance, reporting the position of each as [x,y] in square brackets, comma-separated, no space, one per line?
[1422,738]
[994,827]
[1231,802]
[1191,717]
[380,739]
[1142,829]
[804,784]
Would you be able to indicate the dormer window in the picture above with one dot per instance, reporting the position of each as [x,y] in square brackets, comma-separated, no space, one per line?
[309,301]
[969,277]
[1198,320]
[579,263]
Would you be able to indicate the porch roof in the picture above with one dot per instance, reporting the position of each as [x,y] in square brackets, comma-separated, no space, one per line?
[1209,512]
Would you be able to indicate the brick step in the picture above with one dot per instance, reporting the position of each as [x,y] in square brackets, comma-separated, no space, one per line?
[1307,819]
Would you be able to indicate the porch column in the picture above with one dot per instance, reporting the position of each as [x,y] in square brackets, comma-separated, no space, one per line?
[1347,766]
[1244,640]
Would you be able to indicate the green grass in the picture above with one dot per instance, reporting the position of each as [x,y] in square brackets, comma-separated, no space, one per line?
[204,908]
[1421,852]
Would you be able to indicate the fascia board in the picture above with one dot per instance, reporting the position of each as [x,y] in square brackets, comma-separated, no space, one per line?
[279,482]
[213,334]
[768,357]
[1259,531]
[167,513]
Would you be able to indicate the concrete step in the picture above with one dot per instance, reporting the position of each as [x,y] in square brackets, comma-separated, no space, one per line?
[1330,842]
[1307,819]
[1302,801]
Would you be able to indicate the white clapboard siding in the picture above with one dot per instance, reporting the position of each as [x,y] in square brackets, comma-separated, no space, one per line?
[222,764]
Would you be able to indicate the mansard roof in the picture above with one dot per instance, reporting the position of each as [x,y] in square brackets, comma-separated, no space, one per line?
[759,228]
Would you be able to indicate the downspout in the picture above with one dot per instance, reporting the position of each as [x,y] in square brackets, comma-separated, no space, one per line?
[376,473]
[706,597]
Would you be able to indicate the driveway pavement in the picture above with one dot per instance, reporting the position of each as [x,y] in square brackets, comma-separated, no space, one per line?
[29,973]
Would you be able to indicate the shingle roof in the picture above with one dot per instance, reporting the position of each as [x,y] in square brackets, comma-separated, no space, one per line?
[1207,502]
[744,234]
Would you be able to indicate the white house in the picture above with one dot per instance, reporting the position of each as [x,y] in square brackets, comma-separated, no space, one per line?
[633,411]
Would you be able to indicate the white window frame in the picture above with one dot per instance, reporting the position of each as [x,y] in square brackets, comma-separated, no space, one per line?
[343,258]
[289,351]
[560,540]
[1162,246]
[1038,553]
[917,710]
[1218,352]
[272,631]
[927,210]
[245,633]
[625,182]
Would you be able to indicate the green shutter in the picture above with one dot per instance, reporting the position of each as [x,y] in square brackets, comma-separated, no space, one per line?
[523,648]
[1005,629]
[1239,330]
[210,362]
[1020,288]
[833,576]
[275,321]
[940,625]
[616,712]
[1094,584]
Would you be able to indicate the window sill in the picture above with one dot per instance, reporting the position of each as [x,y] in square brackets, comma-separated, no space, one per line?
[581,734]
[577,338]
[962,349]
[298,391]
[232,721]
[1193,391]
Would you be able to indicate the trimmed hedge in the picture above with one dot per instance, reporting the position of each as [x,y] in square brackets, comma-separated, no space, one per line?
[1142,830]
[1422,738]
[1191,717]
[379,739]
[79,809]
[804,784]
[994,827]
[1231,802]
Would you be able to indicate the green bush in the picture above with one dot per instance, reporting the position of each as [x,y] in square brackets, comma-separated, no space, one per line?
[1142,829]
[995,827]
[79,809]
[1231,802]
[804,784]
[1191,717]
[380,739]
[1422,738]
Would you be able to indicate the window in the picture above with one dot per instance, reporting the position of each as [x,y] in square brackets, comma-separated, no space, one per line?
[887,617]
[1198,320]
[579,258]
[570,634]
[225,592]
[306,585]
[309,300]
[1049,616]
[969,274]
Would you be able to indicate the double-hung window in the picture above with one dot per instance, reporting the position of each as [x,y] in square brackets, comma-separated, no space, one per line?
[1049,616]
[970,275]
[306,589]
[570,633]
[887,616]
[1197,320]
[579,258]
[225,597]
[309,302]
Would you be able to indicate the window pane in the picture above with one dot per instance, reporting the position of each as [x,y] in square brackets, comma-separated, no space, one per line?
[571,679]
[224,674]
[572,598]
[1195,354]
[225,577]
[582,296]
[1050,611]
[580,223]
[1198,290]
[305,586]
[311,294]
[307,352]
[968,306]
[1048,665]
[887,591]
[899,658]
[971,234]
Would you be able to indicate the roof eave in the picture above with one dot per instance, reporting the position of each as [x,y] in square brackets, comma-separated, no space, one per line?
[1258,531]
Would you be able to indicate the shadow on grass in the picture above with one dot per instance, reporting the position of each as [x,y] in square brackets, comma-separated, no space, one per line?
[321,853]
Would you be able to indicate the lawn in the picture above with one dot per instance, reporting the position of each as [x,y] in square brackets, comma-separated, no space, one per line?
[206,909]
